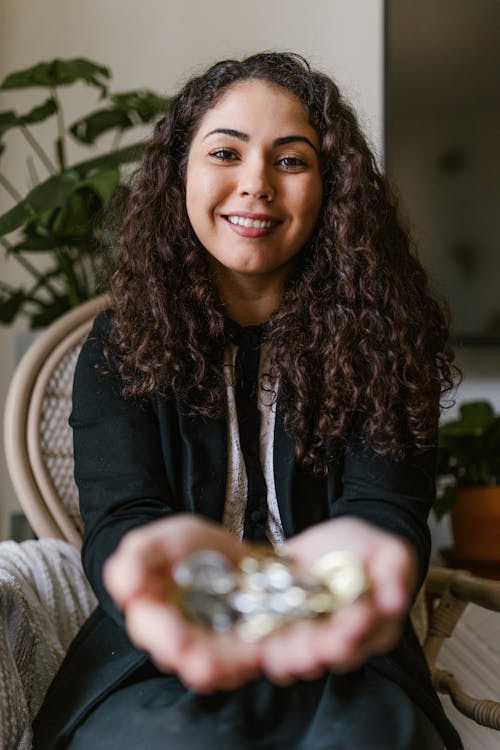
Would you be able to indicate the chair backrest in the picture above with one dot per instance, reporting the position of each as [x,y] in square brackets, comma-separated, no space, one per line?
[38,441]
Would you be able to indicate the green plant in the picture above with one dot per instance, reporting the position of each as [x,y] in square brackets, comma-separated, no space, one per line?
[54,225]
[469,453]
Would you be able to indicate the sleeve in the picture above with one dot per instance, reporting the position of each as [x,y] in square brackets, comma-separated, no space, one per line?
[396,495]
[119,468]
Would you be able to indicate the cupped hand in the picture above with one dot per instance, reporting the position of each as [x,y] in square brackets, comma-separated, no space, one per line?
[370,625]
[139,578]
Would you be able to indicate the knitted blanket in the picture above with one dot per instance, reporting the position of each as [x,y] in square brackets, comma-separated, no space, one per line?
[44,598]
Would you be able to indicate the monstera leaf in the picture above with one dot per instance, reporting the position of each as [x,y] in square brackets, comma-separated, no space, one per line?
[127,111]
[53,230]
[59,73]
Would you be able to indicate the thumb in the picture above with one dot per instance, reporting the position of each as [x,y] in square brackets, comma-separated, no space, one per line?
[394,573]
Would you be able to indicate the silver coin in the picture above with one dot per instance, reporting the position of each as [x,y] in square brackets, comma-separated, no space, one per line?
[286,605]
[257,580]
[247,602]
[207,571]
[207,610]
[279,576]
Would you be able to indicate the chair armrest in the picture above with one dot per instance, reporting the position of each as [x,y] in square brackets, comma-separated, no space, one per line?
[450,591]
[464,586]
[44,599]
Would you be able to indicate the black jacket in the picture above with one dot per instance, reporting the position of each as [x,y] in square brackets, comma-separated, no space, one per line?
[136,462]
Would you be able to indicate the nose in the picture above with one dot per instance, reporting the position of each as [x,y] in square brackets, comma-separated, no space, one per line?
[256,181]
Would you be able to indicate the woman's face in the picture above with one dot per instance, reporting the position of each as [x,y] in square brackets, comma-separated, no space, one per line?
[253,183]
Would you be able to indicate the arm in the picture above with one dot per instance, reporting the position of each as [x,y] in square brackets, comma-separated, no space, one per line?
[381,516]
[135,533]
[394,495]
[118,463]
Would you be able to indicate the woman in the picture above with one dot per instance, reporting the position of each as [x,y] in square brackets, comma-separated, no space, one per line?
[271,369]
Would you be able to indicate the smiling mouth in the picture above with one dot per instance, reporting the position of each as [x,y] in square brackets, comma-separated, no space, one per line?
[244,221]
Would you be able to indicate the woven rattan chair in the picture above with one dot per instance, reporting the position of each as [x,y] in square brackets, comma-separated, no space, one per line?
[38,442]
[40,461]
[449,592]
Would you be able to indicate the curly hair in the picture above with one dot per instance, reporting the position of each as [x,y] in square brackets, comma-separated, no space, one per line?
[358,338]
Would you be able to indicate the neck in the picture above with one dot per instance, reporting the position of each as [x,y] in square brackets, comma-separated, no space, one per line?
[248,300]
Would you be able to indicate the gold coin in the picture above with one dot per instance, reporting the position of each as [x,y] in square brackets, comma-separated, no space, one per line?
[321,603]
[252,629]
[343,574]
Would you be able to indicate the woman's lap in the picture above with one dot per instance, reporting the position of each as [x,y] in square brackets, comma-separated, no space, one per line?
[360,711]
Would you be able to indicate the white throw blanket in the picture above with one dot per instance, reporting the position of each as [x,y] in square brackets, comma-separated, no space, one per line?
[44,598]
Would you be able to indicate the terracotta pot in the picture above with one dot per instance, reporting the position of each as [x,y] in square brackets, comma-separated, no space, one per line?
[475,520]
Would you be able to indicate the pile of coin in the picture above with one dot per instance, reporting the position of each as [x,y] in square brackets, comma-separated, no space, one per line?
[265,591]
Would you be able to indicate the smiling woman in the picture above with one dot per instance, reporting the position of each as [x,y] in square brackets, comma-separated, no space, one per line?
[270,370]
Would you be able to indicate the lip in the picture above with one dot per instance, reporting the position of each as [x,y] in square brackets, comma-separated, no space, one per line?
[251,232]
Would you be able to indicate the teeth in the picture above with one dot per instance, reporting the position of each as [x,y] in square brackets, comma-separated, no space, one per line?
[255,223]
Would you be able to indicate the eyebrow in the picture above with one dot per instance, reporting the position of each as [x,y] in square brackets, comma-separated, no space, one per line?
[277,142]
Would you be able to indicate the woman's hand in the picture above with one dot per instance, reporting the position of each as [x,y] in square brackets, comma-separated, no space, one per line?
[370,625]
[138,577]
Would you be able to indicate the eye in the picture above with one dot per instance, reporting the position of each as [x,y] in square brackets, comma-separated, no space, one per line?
[224,154]
[292,162]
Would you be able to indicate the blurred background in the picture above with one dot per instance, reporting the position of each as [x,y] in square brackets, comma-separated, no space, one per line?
[442,149]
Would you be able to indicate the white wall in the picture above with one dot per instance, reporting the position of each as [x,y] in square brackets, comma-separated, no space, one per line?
[157,44]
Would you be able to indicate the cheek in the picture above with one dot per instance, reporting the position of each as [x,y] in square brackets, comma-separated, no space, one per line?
[310,202]
[196,198]
[203,194]
[199,178]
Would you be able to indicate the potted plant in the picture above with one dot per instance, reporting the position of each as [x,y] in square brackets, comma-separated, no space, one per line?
[51,231]
[469,481]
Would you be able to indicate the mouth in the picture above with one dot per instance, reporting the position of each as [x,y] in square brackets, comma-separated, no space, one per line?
[245,221]
[252,225]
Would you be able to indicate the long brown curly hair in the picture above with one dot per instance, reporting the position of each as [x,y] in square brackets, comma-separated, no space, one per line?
[358,338]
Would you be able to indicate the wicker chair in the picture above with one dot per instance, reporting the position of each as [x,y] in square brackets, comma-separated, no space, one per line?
[40,461]
[38,442]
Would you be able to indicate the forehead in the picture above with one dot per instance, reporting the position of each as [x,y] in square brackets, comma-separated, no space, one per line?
[258,105]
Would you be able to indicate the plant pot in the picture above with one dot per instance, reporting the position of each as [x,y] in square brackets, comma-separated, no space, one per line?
[475,521]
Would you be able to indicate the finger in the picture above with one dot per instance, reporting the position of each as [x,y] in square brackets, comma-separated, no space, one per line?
[352,642]
[203,661]
[385,638]
[206,675]
[305,651]
[144,558]
[339,639]
[286,677]
[346,628]
[205,669]
[182,534]
[393,574]
[158,629]
[219,661]
[290,654]
[133,568]
[355,658]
